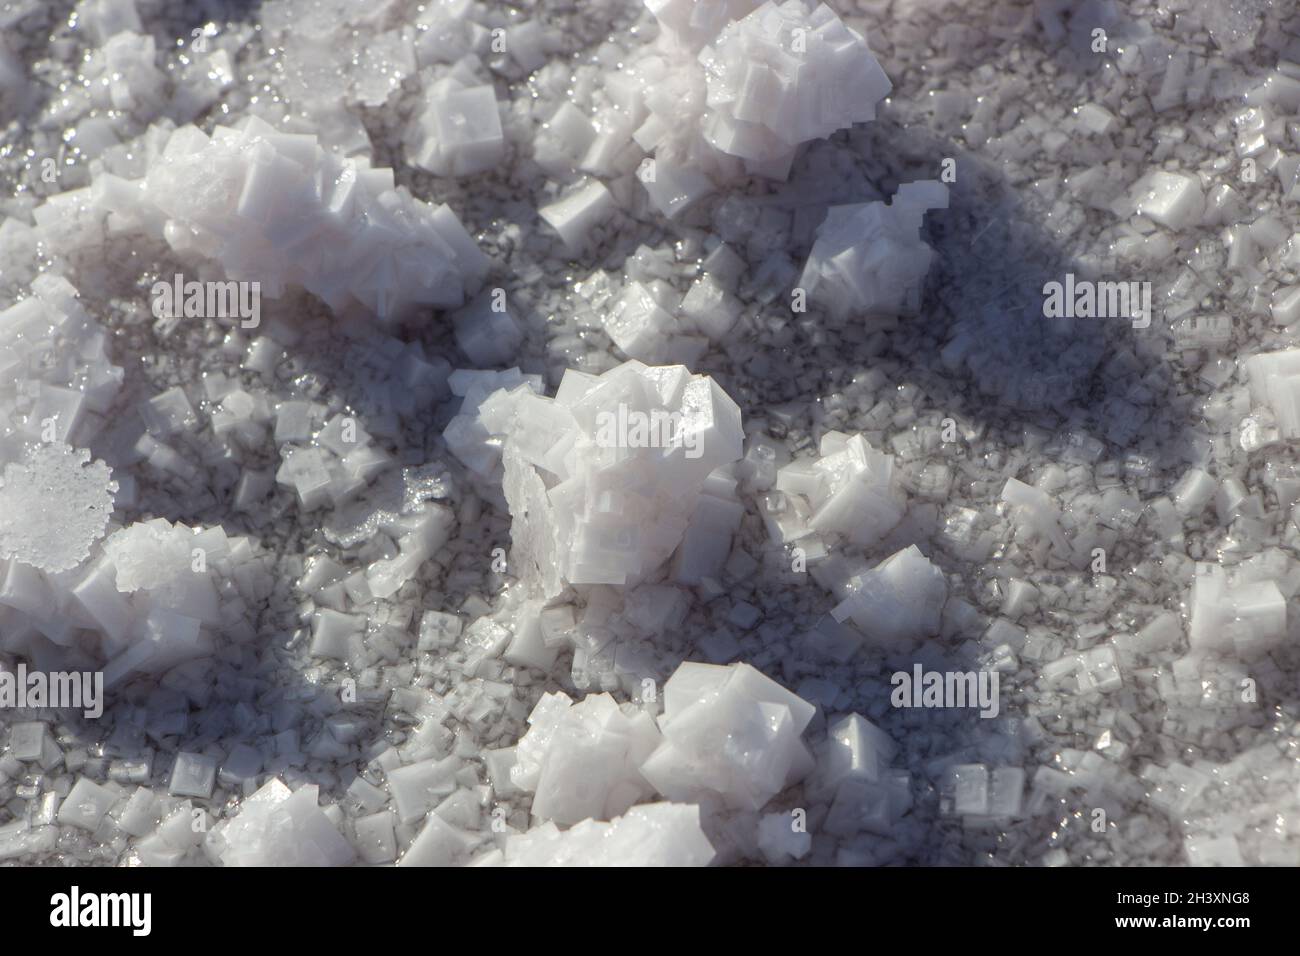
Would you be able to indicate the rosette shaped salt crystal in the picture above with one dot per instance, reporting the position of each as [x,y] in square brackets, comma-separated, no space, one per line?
[277,209]
[785,75]
[729,732]
[869,259]
[603,480]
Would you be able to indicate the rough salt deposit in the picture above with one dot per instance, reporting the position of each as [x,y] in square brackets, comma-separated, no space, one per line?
[680,433]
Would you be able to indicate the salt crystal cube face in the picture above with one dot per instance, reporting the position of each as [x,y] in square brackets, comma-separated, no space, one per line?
[417,787]
[376,840]
[27,740]
[731,732]
[463,130]
[855,749]
[970,789]
[780,841]
[193,775]
[576,216]
[672,188]
[1275,383]
[86,804]
[1006,792]
[1099,671]
[859,807]
[898,602]
[438,629]
[1171,199]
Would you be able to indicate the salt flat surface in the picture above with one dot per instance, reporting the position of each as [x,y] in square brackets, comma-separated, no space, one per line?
[661,434]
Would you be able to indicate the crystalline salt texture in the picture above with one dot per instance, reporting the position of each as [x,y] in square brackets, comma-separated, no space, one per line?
[603,480]
[277,826]
[575,215]
[86,804]
[898,602]
[868,258]
[587,763]
[54,507]
[278,209]
[1171,199]
[731,732]
[652,834]
[1230,614]
[693,23]
[461,130]
[784,75]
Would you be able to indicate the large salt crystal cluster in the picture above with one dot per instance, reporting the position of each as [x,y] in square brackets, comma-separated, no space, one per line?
[782,76]
[277,209]
[277,826]
[732,89]
[729,733]
[603,480]
[581,760]
[869,258]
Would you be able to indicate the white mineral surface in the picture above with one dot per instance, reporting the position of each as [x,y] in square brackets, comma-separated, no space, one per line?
[690,432]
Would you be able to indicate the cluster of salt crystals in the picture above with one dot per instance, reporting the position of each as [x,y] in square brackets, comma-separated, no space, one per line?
[57,382]
[851,491]
[729,91]
[277,826]
[277,209]
[729,739]
[869,259]
[652,834]
[583,760]
[785,75]
[603,480]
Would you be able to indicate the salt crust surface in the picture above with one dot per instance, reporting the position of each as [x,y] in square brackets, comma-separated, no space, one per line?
[339,604]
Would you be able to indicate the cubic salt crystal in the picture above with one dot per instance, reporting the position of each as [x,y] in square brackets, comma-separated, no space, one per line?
[731,732]
[461,131]
[578,214]
[1230,614]
[193,775]
[898,602]
[86,804]
[868,258]
[1171,199]
[693,23]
